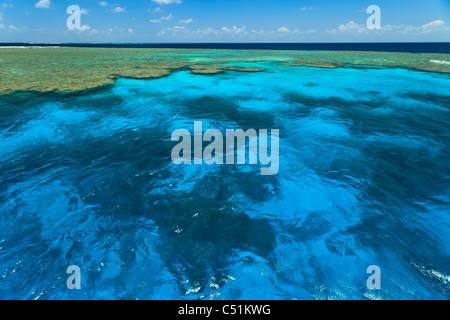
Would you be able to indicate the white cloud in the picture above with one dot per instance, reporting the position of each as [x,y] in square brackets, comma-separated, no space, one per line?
[12,27]
[186,21]
[119,9]
[130,30]
[436,30]
[259,32]
[103,3]
[234,30]
[104,31]
[349,27]
[84,11]
[2,26]
[436,26]
[161,2]
[1,17]
[353,28]
[85,28]
[432,24]
[166,18]
[283,30]
[44,4]
[201,33]
[7,5]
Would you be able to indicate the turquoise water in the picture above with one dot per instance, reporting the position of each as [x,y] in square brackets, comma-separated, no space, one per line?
[86,179]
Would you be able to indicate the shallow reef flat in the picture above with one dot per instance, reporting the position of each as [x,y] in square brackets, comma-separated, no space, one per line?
[76,69]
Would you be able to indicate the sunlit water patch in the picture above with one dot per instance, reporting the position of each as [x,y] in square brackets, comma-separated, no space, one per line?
[364,178]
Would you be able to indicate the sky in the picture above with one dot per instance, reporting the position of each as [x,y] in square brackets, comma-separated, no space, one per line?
[179,21]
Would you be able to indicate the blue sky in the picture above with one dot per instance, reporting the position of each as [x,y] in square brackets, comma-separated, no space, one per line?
[224,21]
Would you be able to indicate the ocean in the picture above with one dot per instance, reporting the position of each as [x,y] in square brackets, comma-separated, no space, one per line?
[412,47]
[86,179]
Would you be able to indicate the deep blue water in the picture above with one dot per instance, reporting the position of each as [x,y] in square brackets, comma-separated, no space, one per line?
[412,47]
[86,179]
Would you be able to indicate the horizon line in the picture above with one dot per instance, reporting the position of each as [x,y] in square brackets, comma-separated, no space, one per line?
[153,43]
